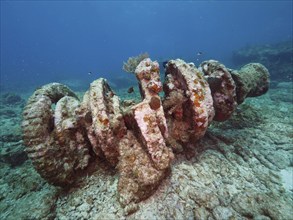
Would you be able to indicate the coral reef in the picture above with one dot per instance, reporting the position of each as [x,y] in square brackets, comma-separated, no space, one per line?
[139,139]
[278,58]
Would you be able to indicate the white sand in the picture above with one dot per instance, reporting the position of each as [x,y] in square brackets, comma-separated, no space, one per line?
[287,178]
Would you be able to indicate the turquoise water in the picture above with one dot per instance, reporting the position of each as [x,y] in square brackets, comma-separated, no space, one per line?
[45,41]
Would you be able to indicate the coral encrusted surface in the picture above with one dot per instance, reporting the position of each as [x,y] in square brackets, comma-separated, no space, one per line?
[127,160]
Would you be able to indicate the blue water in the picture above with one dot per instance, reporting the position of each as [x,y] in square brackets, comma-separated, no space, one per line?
[45,41]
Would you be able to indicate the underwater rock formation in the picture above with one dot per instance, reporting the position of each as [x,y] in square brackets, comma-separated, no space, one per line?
[278,58]
[137,139]
[11,99]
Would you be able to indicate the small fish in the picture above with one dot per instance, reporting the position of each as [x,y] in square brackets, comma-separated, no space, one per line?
[199,53]
[130,90]
[89,73]
[165,63]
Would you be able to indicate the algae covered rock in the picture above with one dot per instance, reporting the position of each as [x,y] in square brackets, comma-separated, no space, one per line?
[11,99]
[188,104]
[251,80]
[13,153]
[223,88]
[24,194]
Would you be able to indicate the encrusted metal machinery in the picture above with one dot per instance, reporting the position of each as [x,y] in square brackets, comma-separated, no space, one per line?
[61,133]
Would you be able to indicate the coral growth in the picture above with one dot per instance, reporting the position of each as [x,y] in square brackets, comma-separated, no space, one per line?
[251,80]
[189,118]
[106,122]
[223,88]
[133,62]
[137,139]
[138,175]
[48,134]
